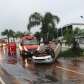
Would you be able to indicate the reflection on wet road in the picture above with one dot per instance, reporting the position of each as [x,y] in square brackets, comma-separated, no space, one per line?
[3,54]
[58,73]
[64,71]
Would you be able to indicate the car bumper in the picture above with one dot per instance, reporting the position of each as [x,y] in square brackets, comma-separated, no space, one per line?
[43,60]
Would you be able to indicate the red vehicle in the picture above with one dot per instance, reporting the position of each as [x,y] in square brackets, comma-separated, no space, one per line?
[28,44]
[12,49]
[12,57]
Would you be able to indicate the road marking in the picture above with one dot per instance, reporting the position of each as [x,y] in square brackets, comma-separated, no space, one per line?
[1,80]
[65,69]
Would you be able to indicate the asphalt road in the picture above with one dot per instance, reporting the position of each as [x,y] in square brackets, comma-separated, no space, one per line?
[63,71]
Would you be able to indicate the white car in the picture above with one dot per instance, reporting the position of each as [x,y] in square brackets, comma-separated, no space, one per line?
[42,59]
[47,57]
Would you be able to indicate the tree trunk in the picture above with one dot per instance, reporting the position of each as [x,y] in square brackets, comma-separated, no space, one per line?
[8,38]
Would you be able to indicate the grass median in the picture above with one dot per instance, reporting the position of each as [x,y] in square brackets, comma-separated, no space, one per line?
[70,53]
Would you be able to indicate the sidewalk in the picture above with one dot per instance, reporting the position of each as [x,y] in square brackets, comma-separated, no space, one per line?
[18,72]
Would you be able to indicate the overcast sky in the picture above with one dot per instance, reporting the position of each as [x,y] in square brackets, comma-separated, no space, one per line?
[14,14]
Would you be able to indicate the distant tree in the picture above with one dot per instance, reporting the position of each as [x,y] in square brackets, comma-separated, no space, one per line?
[12,34]
[60,32]
[5,33]
[76,31]
[70,38]
[68,35]
[18,34]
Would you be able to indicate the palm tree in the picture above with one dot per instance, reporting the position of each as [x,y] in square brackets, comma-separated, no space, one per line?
[34,19]
[49,27]
[8,33]
[5,33]
[47,22]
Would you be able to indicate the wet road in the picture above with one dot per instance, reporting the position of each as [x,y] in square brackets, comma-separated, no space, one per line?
[64,71]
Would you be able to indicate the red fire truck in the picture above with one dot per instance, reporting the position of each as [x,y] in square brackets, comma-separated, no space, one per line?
[28,44]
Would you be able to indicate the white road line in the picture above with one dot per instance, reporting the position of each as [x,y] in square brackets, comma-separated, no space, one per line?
[1,80]
[65,69]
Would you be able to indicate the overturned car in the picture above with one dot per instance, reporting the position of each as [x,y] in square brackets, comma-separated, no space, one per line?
[47,55]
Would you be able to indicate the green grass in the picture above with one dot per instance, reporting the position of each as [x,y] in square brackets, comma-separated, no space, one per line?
[72,53]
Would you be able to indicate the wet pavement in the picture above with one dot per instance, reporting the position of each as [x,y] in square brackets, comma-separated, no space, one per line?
[63,71]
